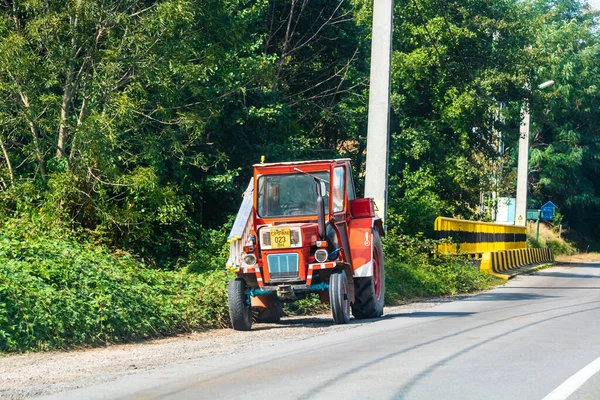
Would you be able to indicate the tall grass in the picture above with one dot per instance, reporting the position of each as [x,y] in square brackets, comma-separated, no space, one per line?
[413,270]
[548,237]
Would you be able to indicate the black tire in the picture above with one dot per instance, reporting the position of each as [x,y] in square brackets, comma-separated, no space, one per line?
[239,309]
[339,297]
[271,315]
[366,302]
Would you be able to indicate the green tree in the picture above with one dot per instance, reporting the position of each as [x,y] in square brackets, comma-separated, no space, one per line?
[564,156]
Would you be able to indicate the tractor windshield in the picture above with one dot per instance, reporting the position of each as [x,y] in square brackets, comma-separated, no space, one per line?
[289,195]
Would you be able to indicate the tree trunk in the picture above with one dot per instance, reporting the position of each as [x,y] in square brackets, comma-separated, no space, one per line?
[8,164]
[64,113]
[286,42]
[65,106]
[78,126]
[15,17]
[36,137]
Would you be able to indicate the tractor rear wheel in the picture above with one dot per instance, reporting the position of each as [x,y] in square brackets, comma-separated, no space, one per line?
[369,293]
[239,307]
[339,299]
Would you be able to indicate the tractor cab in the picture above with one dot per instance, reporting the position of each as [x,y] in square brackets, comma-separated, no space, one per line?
[305,232]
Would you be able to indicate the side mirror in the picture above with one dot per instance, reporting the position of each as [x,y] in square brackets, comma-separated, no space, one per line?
[323,188]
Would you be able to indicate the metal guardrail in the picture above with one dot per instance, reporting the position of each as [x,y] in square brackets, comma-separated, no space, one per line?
[501,263]
[476,238]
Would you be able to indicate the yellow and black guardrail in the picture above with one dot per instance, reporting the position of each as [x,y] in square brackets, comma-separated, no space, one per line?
[500,263]
[500,248]
[476,238]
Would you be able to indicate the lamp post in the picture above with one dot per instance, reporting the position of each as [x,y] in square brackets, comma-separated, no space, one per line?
[523,166]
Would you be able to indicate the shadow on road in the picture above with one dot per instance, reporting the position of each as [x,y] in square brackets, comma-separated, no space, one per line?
[492,296]
[326,321]
[558,274]
[565,275]
[578,264]
[305,322]
[552,288]
[432,314]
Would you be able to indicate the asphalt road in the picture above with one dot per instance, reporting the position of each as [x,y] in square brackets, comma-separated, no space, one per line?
[537,337]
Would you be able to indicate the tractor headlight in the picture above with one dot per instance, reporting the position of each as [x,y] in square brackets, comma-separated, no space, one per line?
[321,255]
[250,259]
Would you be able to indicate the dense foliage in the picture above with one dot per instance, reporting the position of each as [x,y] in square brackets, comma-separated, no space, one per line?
[130,126]
[139,120]
[58,292]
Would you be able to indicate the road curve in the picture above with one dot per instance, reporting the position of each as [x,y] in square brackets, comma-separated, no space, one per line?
[524,340]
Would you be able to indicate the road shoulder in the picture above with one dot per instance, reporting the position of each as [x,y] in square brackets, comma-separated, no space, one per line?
[38,374]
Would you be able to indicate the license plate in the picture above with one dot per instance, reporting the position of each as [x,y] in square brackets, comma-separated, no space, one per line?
[280,238]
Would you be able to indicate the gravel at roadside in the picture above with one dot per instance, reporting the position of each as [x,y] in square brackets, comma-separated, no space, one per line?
[36,374]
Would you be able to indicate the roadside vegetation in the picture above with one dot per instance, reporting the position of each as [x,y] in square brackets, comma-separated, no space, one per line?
[580,258]
[413,270]
[59,290]
[549,237]
[128,130]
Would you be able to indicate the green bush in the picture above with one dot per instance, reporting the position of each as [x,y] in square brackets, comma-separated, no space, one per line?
[58,292]
[311,304]
[414,270]
[559,247]
[534,243]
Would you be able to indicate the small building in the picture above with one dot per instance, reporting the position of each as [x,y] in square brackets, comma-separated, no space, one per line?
[506,210]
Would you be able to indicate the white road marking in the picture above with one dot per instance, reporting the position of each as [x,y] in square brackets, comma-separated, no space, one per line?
[575,382]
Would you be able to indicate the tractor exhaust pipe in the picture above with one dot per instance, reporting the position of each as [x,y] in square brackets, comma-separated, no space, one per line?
[321,207]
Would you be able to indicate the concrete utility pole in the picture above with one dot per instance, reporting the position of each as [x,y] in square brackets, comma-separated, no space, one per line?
[523,166]
[378,133]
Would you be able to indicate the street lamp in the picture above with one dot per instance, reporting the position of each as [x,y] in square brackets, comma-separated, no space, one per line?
[523,166]
[545,84]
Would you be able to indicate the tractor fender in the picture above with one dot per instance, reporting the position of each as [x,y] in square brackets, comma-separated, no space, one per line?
[361,245]
[378,223]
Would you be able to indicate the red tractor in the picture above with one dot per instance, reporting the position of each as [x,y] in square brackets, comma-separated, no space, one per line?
[300,230]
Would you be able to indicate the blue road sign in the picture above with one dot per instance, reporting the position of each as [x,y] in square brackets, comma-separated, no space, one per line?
[548,211]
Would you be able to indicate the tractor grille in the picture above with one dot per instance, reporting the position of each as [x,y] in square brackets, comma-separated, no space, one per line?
[283,266]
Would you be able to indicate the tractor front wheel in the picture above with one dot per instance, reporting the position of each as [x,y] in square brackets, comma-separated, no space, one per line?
[240,311]
[339,299]
[369,293]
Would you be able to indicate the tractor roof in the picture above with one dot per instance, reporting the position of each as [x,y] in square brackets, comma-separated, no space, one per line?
[301,162]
